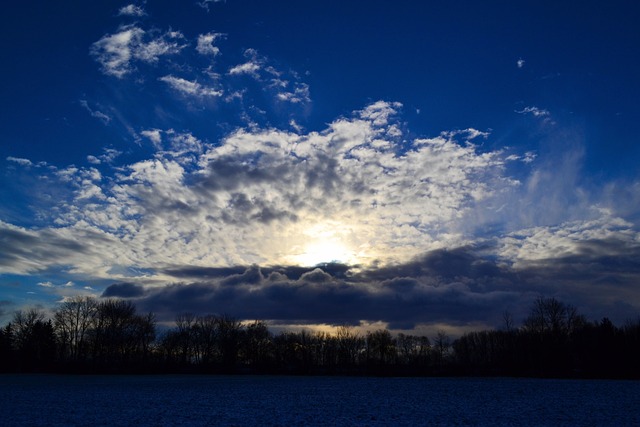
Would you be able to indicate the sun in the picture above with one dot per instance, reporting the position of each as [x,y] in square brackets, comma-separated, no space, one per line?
[323,244]
[324,251]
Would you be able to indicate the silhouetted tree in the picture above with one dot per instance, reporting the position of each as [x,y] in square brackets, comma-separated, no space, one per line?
[33,339]
[441,345]
[413,350]
[381,347]
[120,337]
[206,336]
[350,345]
[73,321]
[257,347]
[554,340]
[228,332]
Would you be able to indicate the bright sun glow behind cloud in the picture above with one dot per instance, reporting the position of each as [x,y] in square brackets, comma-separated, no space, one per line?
[325,243]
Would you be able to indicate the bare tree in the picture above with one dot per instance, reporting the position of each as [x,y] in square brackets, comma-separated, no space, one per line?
[381,346]
[507,318]
[442,344]
[72,322]
[349,345]
[548,315]
[256,343]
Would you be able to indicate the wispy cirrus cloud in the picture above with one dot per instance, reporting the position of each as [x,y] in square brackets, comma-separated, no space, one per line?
[103,117]
[190,88]
[20,161]
[206,4]
[535,111]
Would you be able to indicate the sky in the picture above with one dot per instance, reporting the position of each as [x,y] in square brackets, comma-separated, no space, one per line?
[417,166]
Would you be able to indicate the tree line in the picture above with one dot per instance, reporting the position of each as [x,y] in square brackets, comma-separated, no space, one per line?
[86,335]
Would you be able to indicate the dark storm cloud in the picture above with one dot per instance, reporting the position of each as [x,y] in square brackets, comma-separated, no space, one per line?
[458,286]
[446,264]
[203,272]
[328,294]
[123,290]
[336,270]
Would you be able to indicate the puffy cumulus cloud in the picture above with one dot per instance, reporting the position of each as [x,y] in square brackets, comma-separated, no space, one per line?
[354,191]
[282,294]
[117,52]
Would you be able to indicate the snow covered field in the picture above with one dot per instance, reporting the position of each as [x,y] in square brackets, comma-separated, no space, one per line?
[52,400]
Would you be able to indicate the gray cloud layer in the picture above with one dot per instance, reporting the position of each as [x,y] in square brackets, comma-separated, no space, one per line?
[458,287]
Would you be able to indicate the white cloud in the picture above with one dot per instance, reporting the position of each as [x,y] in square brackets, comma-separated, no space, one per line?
[206,44]
[131,10]
[154,135]
[167,44]
[93,160]
[205,4]
[520,63]
[255,196]
[300,95]
[104,118]
[116,52]
[527,246]
[537,112]
[110,154]
[380,112]
[250,68]
[20,161]
[187,87]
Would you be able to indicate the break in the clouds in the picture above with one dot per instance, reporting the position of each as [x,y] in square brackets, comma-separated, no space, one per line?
[211,163]
[268,196]
[355,193]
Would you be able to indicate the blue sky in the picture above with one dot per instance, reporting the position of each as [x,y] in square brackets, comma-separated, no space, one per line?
[414,165]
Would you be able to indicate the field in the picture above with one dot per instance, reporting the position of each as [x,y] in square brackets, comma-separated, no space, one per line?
[39,400]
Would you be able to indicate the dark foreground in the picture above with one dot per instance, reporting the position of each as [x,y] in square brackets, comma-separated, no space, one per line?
[57,400]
